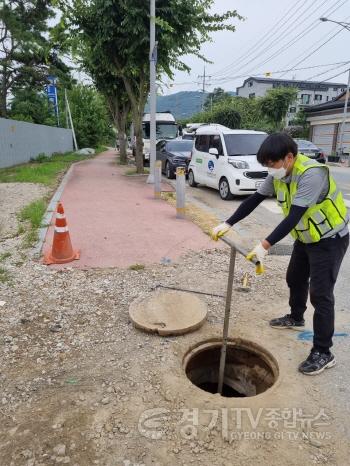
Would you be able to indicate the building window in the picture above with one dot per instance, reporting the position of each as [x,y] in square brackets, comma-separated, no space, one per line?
[305,99]
[327,98]
[250,83]
[336,89]
[292,110]
[318,97]
[252,95]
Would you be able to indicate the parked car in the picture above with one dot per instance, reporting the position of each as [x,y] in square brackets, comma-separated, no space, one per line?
[174,154]
[188,136]
[309,149]
[225,159]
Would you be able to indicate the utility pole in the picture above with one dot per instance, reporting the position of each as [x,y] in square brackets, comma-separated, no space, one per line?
[71,120]
[343,123]
[153,95]
[204,77]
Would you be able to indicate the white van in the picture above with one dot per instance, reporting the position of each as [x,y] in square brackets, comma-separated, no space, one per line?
[225,159]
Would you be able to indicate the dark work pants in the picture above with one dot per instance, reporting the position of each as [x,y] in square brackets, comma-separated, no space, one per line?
[315,266]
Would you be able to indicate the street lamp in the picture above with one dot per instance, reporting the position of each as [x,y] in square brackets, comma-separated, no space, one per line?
[153,95]
[345,113]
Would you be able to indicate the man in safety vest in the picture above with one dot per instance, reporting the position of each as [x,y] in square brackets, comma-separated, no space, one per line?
[317,218]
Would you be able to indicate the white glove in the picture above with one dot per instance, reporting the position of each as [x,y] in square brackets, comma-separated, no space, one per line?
[219,230]
[259,253]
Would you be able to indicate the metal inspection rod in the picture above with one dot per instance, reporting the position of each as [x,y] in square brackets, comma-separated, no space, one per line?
[234,249]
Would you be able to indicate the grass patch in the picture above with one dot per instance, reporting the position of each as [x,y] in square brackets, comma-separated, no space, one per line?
[137,267]
[4,275]
[44,170]
[31,218]
[5,256]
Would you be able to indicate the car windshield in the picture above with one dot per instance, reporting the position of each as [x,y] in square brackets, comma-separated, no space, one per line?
[302,144]
[179,146]
[163,130]
[243,144]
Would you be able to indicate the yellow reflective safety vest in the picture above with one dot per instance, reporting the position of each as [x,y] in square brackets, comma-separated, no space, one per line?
[319,219]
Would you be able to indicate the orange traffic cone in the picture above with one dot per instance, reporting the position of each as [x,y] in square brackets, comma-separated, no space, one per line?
[62,250]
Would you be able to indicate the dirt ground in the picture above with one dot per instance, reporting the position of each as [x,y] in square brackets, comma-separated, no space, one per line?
[81,386]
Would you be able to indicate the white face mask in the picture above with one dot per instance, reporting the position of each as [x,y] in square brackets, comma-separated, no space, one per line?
[277,173]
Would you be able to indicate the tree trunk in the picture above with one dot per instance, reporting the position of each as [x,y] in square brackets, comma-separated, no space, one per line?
[137,121]
[123,156]
[3,103]
[137,100]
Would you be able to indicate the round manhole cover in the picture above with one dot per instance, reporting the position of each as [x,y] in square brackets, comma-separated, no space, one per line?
[249,370]
[168,313]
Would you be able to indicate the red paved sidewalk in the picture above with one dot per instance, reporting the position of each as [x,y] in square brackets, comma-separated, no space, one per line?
[115,221]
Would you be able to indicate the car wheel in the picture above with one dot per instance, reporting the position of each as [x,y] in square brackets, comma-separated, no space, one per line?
[168,172]
[224,190]
[191,180]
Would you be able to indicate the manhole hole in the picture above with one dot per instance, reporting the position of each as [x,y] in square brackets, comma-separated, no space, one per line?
[249,371]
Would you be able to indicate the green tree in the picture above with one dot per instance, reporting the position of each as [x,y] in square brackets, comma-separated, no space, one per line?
[27,56]
[32,106]
[227,116]
[274,106]
[90,116]
[217,96]
[113,89]
[121,38]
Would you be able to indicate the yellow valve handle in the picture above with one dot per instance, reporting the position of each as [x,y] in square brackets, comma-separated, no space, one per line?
[216,236]
[259,267]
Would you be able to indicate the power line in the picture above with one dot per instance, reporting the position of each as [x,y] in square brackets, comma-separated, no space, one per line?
[324,72]
[299,36]
[260,42]
[258,74]
[318,48]
[296,38]
[335,76]
[273,41]
[230,78]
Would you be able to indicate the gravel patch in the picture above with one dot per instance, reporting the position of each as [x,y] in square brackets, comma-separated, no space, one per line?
[13,197]
[76,377]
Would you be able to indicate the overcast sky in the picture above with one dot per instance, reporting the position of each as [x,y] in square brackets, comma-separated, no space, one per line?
[271,25]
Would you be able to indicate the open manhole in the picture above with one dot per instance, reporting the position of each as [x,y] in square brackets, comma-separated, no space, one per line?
[249,371]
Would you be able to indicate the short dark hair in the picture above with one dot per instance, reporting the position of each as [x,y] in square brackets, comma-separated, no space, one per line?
[276,147]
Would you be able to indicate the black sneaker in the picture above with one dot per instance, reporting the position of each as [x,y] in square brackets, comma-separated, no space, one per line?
[287,321]
[317,362]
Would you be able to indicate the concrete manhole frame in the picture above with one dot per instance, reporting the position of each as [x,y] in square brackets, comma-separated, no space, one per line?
[243,344]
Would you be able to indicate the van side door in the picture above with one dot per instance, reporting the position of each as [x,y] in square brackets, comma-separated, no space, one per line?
[214,163]
[199,157]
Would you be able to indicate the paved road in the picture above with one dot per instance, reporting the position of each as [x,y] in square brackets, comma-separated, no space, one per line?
[342,177]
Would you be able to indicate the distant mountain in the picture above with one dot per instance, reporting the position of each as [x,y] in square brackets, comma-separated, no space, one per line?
[181,104]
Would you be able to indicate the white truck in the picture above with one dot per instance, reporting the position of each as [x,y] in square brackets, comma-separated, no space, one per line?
[166,129]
